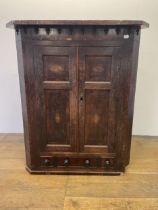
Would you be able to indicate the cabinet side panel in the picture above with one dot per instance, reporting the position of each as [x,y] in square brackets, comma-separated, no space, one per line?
[133,77]
[126,92]
[27,89]
[23,98]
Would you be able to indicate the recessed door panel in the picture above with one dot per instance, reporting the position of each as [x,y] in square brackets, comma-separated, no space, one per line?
[57,116]
[56,68]
[98,68]
[96,121]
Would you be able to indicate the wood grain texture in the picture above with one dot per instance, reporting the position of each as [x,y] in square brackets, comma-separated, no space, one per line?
[57,116]
[77,81]
[135,190]
[79,22]
[81,203]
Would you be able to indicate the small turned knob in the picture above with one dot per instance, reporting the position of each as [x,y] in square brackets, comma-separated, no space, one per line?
[66,162]
[107,163]
[87,162]
[46,162]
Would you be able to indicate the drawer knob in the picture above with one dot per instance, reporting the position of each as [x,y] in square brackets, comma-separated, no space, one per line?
[107,163]
[46,162]
[87,162]
[66,162]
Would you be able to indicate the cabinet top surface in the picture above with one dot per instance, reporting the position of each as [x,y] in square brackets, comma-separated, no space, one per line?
[15,23]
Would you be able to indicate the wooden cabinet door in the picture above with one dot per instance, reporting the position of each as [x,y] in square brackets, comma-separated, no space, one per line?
[56,98]
[98,81]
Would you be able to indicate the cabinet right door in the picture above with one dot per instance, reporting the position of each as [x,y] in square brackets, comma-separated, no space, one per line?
[98,99]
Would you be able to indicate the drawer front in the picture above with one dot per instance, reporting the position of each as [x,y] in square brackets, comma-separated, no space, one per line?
[70,162]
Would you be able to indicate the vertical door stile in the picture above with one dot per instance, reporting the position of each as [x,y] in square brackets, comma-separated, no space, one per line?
[81,99]
[74,98]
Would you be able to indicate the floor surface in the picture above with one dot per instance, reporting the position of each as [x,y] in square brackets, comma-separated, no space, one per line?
[137,189]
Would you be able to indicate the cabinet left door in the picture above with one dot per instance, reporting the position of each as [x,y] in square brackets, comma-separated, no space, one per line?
[55,78]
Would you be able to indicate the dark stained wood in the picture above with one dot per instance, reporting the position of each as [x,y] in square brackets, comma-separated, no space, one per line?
[57,96]
[97,85]
[96,117]
[77,81]
[57,107]
[56,85]
[99,106]
[56,68]
[98,68]
[141,23]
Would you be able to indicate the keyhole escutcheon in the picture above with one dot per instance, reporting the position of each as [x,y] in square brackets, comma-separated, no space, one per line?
[81,98]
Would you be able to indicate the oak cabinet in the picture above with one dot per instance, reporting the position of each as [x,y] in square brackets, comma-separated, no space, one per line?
[77,81]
